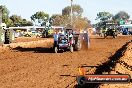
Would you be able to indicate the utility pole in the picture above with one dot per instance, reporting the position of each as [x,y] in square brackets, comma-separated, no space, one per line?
[71,13]
[0,16]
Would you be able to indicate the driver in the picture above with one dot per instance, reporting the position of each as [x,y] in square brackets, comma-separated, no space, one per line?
[86,38]
[56,36]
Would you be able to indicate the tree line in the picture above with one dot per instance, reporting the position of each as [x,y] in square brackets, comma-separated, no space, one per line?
[41,18]
[120,18]
[63,19]
[13,20]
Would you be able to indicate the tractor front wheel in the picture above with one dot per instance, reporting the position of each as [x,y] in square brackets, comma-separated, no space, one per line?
[105,35]
[55,49]
[71,49]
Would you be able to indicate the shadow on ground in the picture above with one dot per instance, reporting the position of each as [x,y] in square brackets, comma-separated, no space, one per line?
[109,37]
[35,50]
[94,85]
[107,66]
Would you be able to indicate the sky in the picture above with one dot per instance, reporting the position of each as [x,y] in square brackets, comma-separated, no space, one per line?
[26,8]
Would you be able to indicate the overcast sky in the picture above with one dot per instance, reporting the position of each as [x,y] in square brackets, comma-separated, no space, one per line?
[26,8]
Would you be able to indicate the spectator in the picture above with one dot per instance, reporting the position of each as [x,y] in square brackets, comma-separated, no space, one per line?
[56,36]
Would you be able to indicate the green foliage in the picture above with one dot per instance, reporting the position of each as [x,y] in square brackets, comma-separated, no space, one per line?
[41,17]
[57,20]
[10,23]
[122,15]
[24,22]
[16,20]
[13,20]
[5,13]
[104,16]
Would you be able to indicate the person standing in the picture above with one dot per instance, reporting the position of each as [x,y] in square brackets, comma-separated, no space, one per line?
[86,39]
[56,36]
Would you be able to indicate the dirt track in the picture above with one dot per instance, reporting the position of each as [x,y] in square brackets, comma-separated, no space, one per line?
[40,68]
[123,66]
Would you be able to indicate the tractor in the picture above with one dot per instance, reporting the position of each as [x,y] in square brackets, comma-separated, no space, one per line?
[76,39]
[110,32]
[110,29]
[68,41]
[63,43]
[48,32]
[6,35]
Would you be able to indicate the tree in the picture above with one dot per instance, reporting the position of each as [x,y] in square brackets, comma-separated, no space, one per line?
[13,20]
[57,20]
[26,23]
[40,18]
[9,23]
[122,15]
[5,13]
[81,23]
[104,16]
[17,20]
[77,10]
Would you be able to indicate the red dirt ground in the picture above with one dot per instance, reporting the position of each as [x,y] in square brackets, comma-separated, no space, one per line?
[121,68]
[40,68]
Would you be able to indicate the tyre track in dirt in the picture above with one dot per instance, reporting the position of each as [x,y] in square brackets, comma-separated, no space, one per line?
[42,69]
[122,66]
[122,58]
